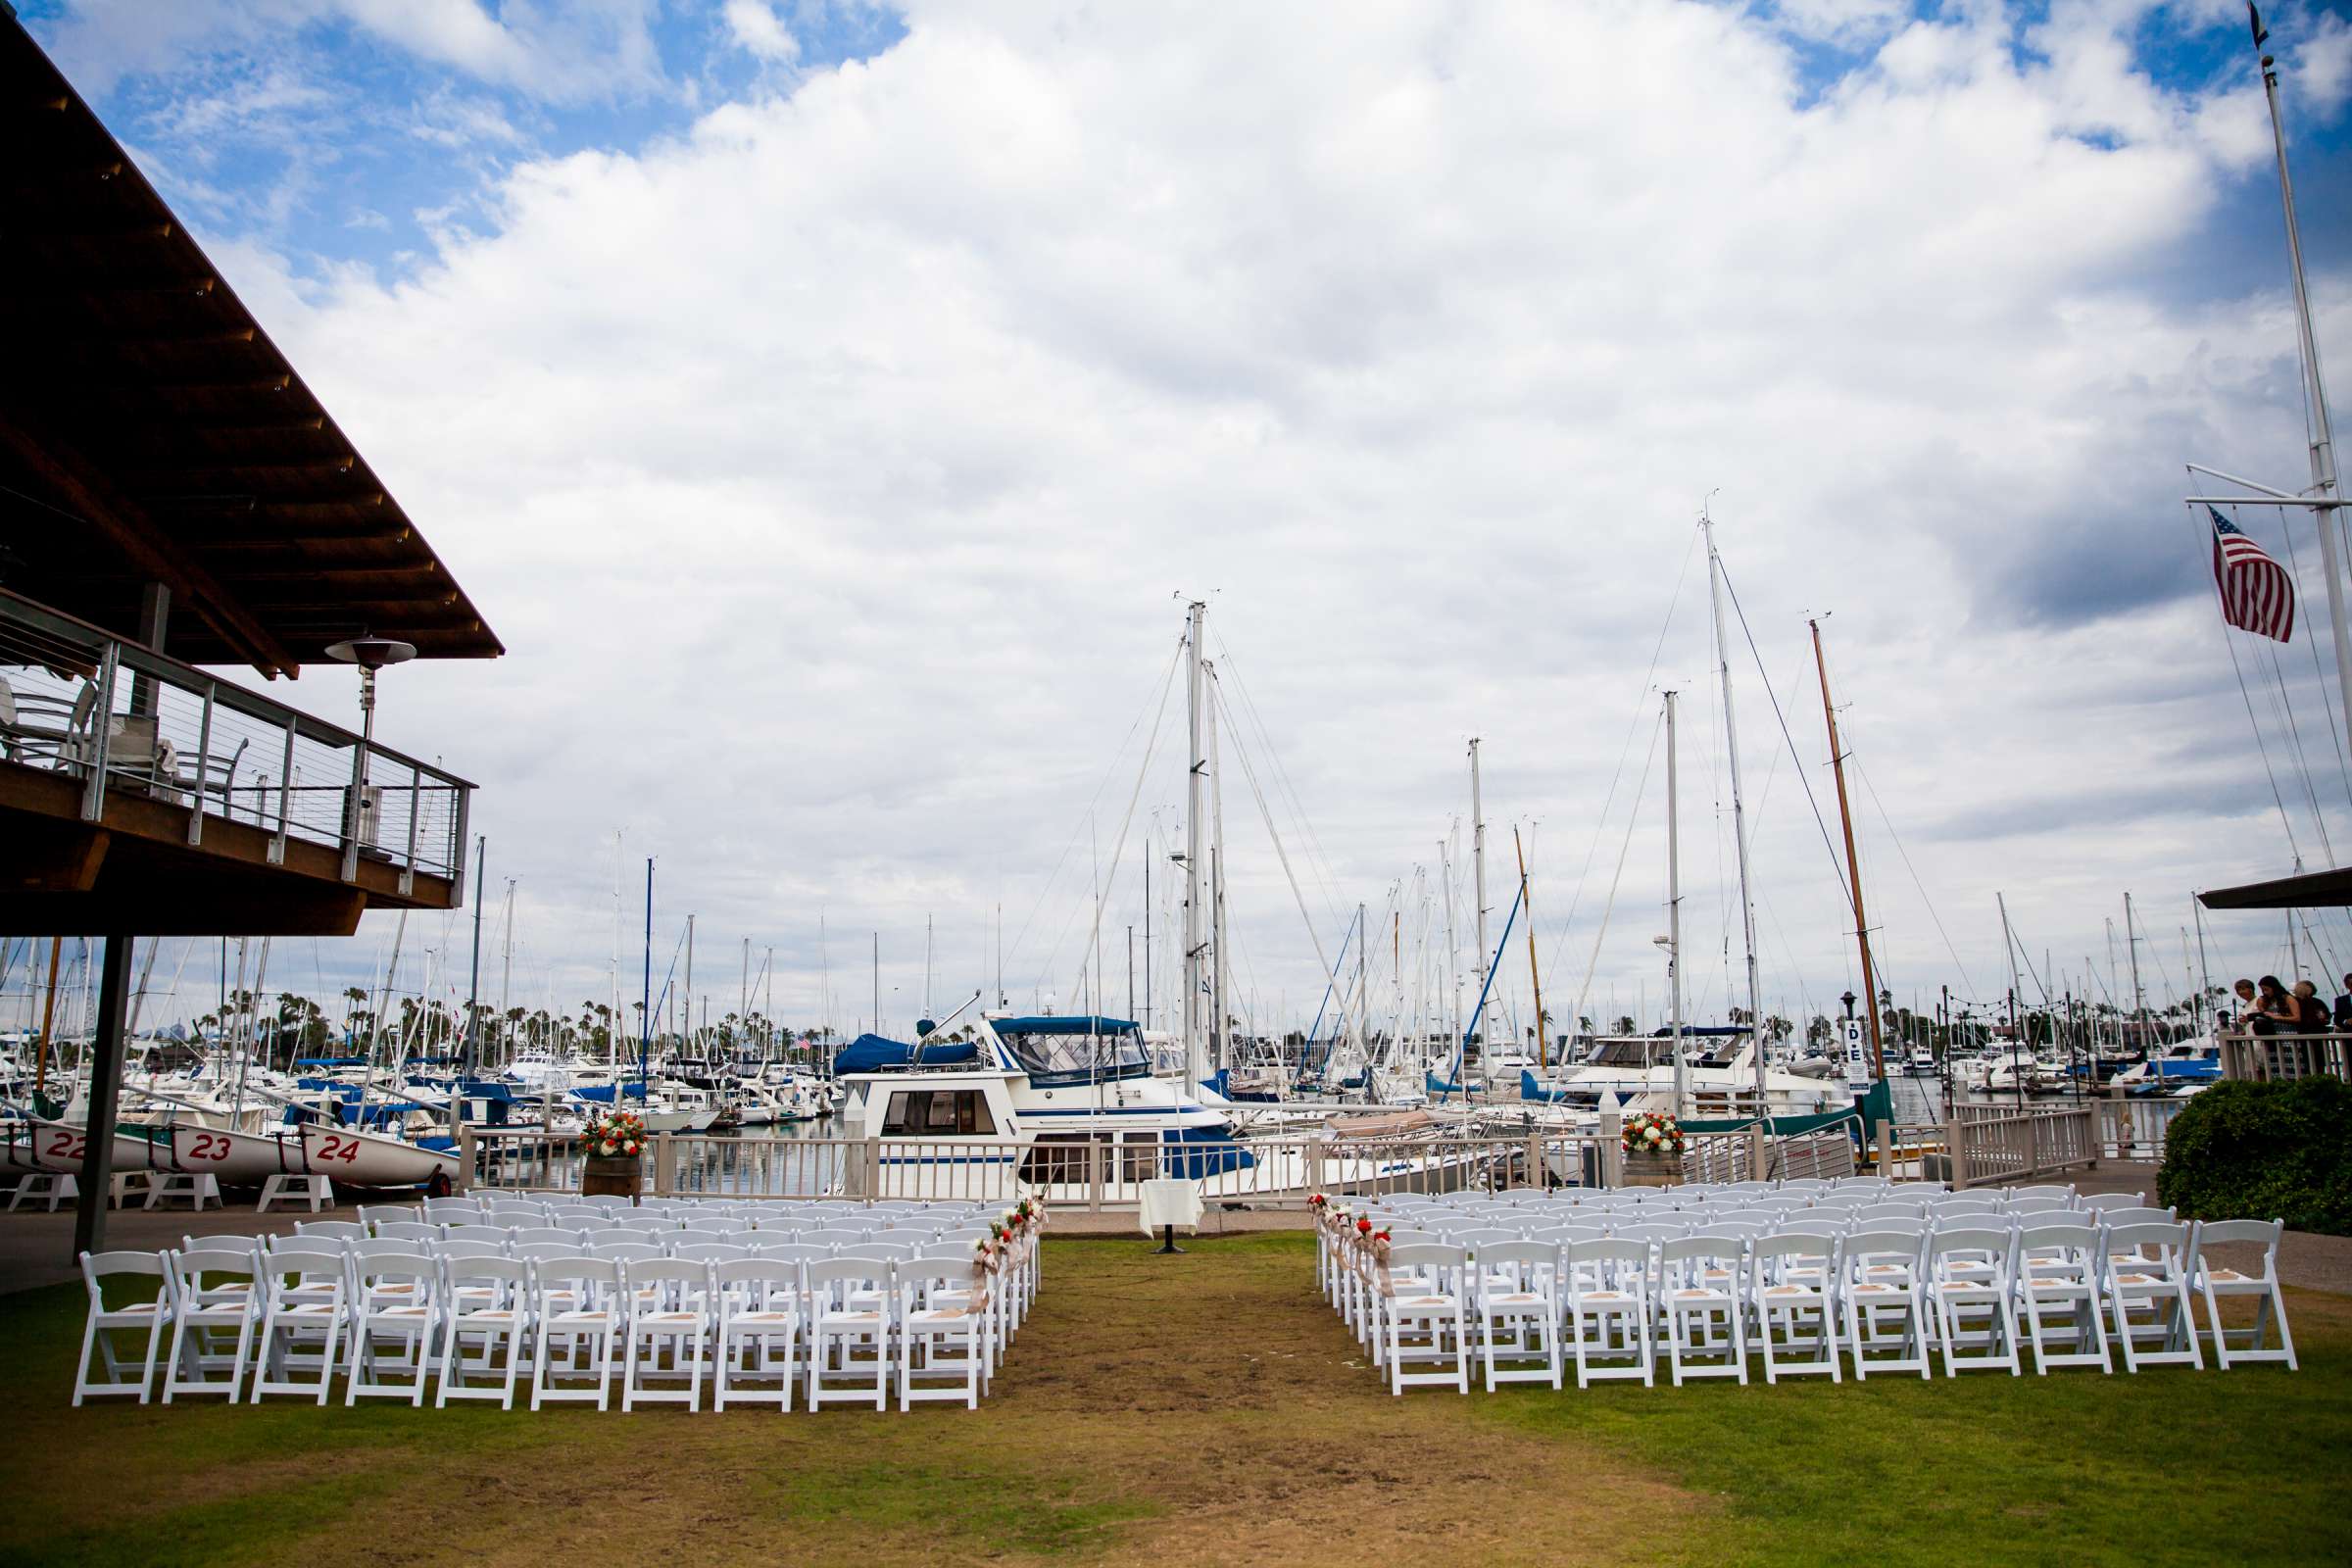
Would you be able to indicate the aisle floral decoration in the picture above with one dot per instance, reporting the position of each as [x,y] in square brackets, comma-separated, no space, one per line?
[1650,1132]
[616,1132]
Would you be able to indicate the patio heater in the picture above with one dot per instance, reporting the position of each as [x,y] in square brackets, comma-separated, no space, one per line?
[370,654]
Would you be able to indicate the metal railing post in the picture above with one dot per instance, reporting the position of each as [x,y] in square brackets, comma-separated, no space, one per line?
[203,770]
[101,718]
[1956,1148]
[285,799]
[408,866]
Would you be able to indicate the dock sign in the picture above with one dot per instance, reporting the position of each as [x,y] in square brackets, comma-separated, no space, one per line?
[1857,1054]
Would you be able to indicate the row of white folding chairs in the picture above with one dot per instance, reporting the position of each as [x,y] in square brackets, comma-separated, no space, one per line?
[583,1208]
[519,1229]
[1886,1297]
[627,1244]
[478,1323]
[1827,1223]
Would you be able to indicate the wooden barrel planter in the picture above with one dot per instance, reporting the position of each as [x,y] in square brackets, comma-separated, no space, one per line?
[612,1176]
[1653,1170]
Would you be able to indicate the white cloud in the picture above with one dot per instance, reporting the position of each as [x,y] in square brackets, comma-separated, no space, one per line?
[755,26]
[829,470]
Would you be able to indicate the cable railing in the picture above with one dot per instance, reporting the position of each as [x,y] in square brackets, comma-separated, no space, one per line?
[121,720]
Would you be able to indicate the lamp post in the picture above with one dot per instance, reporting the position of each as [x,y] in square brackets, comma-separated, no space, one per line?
[370,654]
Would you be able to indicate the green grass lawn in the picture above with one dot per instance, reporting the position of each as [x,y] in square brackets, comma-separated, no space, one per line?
[1203,1410]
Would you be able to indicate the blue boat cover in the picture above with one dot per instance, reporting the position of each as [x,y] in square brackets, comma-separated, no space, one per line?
[874,1053]
[1083,1023]
[1222,1154]
[1531,1089]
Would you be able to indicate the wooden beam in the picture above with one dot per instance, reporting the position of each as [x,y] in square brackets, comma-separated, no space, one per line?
[52,857]
[153,909]
[150,550]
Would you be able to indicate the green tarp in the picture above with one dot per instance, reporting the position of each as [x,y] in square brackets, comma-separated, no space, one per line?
[1874,1109]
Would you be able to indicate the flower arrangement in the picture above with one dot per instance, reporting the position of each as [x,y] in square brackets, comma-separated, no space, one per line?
[1650,1133]
[1316,1204]
[616,1132]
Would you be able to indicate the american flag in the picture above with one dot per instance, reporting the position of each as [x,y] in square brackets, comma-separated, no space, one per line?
[2257,595]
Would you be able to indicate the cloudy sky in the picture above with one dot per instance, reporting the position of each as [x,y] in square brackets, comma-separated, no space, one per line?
[831,405]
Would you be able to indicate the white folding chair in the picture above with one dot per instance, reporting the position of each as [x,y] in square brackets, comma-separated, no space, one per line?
[1703,1287]
[214,1297]
[758,1329]
[2214,1281]
[146,1315]
[849,1324]
[1607,1285]
[485,1300]
[1881,1287]
[1516,1291]
[304,1312]
[577,1310]
[943,1330]
[1971,1288]
[1791,1302]
[2058,1293]
[331,1231]
[395,1310]
[2149,1296]
[1422,1318]
[668,1311]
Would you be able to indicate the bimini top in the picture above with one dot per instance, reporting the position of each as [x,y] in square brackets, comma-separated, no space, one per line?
[1060,1025]
[874,1053]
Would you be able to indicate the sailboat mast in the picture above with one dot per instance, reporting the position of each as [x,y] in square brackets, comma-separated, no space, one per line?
[1535,975]
[689,1031]
[1730,746]
[1221,1034]
[1196,1067]
[2315,391]
[2139,997]
[505,971]
[1674,920]
[2196,909]
[1478,871]
[1853,862]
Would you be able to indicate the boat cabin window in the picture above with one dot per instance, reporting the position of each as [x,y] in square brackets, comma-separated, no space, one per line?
[1074,1057]
[937,1113]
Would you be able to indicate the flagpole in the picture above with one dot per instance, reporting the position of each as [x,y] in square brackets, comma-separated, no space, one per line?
[2315,392]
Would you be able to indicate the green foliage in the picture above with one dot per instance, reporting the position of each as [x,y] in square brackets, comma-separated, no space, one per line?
[2276,1151]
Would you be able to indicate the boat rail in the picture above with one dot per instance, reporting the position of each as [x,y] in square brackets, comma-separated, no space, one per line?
[222,752]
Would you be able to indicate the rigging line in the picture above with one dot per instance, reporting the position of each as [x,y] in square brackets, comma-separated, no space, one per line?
[2334,735]
[1584,991]
[1071,845]
[2285,823]
[1319,861]
[1633,726]
[1282,855]
[2294,741]
[1948,948]
[1782,718]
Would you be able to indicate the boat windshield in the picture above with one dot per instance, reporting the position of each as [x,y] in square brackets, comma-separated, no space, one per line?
[1059,1053]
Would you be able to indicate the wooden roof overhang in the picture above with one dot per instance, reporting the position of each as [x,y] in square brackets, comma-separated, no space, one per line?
[150,430]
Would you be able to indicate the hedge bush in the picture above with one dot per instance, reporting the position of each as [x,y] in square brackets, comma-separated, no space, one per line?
[2275,1151]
